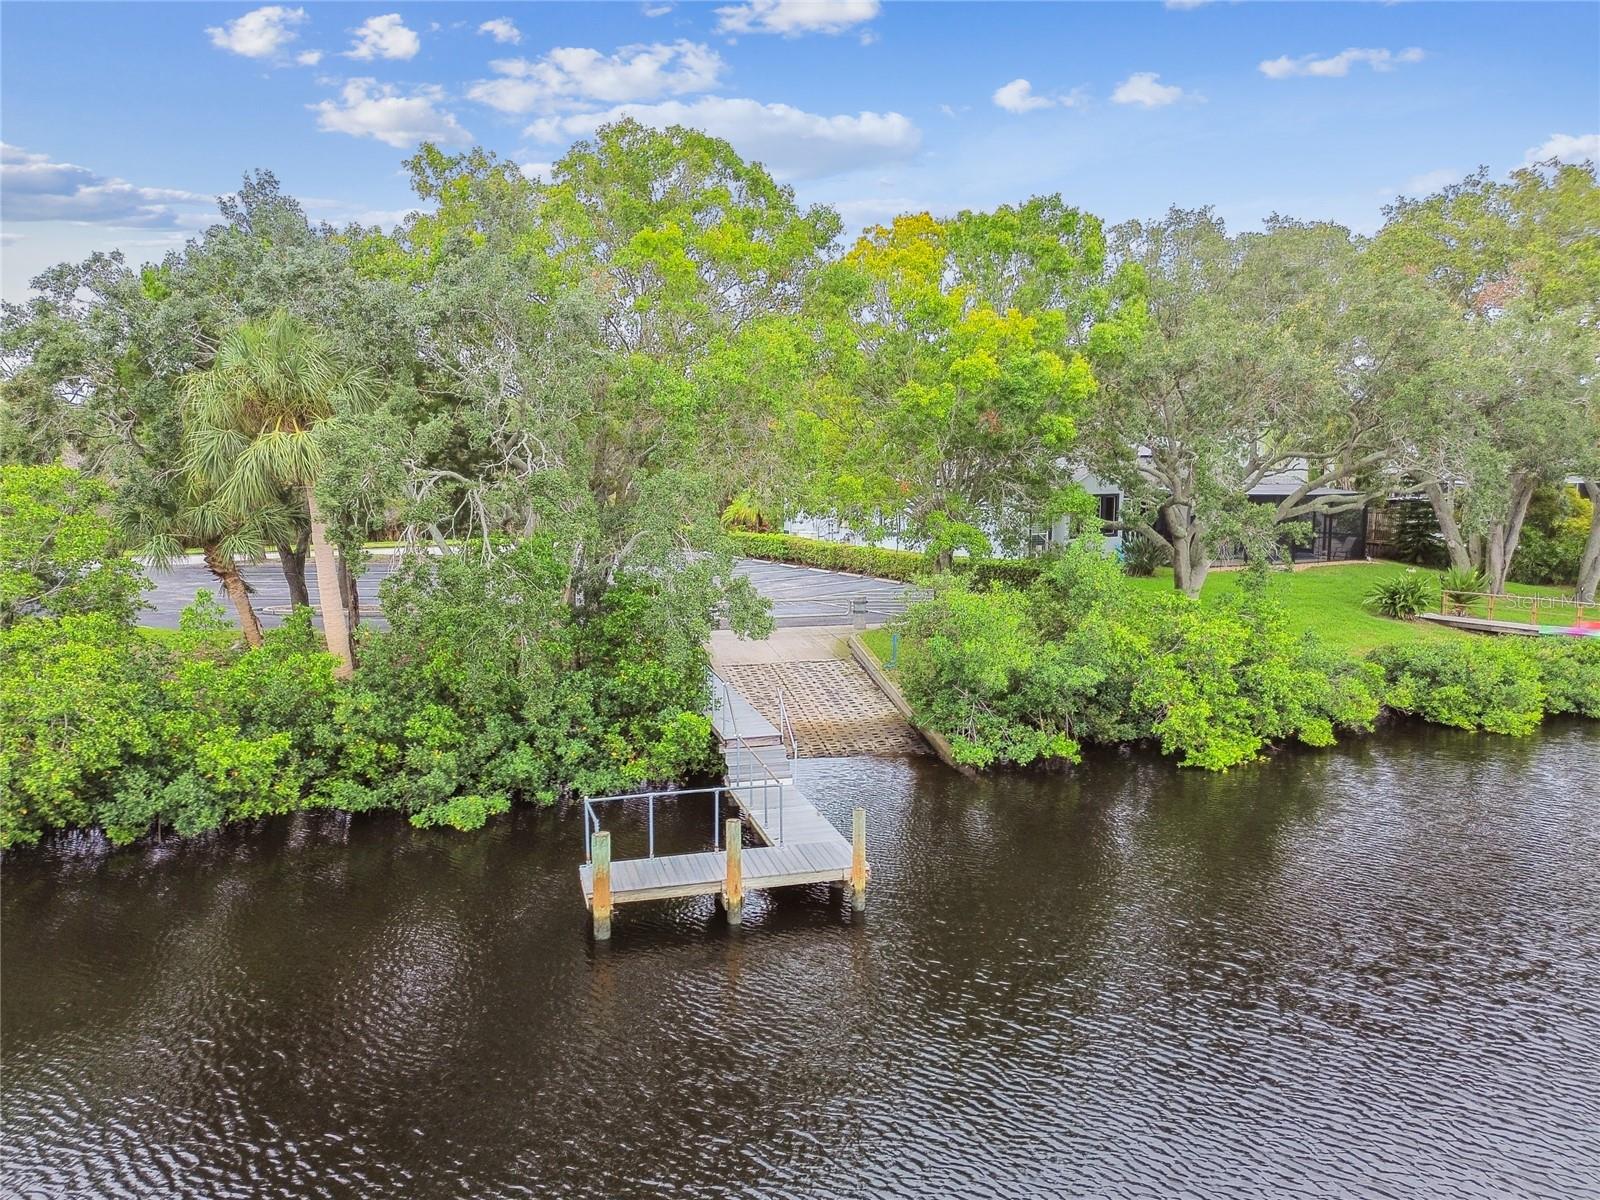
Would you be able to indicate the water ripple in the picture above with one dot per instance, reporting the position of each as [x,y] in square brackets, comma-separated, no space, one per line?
[1371,972]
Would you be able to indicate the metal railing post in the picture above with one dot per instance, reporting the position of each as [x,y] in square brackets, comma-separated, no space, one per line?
[650,824]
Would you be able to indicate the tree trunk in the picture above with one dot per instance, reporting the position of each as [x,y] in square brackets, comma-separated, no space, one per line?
[1589,563]
[1190,563]
[349,594]
[1501,542]
[334,629]
[1461,556]
[237,590]
[293,561]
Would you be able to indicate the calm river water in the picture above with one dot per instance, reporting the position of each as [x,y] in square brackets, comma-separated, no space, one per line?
[1368,972]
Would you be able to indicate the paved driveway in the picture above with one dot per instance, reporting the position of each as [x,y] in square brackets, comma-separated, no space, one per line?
[175,588]
[799,595]
[812,596]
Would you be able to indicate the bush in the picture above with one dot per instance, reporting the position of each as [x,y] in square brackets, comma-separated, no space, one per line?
[486,689]
[1468,683]
[1013,572]
[977,677]
[1141,555]
[1461,587]
[902,565]
[1416,537]
[109,730]
[1570,670]
[1552,537]
[1401,596]
[58,554]
[1086,657]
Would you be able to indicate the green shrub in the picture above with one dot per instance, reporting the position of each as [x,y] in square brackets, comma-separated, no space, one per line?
[1141,555]
[1416,537]
[1468,683]
[58,552]
[1570,670]
[78,698]
[1085,656]
[902,565]
[1553,535]
[1401,596]
[977,677]
[1013,572]
[1460,588]
[486,689]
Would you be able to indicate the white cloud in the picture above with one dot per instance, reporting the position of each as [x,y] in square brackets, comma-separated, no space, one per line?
[384,37]
[792,18]
[260,33]
[366,108]
[793,144]
[308,58]
[1431,181]
[1017,96]
[657,10]
[1145,88]
[34,188]
[540,172]
[571,74]
[1187,4]
[503,30]
[1338,66]
[1567,147]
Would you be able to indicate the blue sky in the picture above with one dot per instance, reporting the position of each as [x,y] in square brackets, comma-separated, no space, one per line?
[122,122]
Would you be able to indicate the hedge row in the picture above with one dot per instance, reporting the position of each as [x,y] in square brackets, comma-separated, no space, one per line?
[903,565]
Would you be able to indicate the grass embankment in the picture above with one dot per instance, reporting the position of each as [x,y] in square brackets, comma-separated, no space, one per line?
[1327,601]
[879,642]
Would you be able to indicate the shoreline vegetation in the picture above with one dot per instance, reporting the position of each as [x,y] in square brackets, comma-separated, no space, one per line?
[1088,655]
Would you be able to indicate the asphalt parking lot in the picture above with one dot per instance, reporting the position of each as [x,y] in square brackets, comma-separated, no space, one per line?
[799,595]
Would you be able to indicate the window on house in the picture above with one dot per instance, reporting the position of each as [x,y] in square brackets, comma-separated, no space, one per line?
[1108,512]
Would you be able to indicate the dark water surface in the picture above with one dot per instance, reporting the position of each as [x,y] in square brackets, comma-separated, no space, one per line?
[1372,971]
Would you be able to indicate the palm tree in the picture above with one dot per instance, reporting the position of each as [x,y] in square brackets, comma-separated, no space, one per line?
[160,528]
[250,423]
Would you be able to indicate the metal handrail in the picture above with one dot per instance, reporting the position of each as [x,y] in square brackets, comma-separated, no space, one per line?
[771,780]
[591,819]
[786,726]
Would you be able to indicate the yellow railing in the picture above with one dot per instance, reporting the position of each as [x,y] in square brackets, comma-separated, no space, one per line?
[1513,606]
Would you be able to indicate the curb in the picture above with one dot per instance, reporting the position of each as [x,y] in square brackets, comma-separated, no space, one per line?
[868,662]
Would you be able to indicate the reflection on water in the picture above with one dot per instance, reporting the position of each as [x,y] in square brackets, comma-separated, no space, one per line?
[1373,971]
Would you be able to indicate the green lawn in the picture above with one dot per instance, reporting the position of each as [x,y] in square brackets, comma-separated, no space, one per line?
[1328,600]
[878,641]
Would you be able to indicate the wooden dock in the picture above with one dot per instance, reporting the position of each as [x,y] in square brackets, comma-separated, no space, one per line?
[798,845]
[1484,625]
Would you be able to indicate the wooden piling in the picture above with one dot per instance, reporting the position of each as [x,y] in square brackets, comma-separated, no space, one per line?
[600,860]
[858,860]
[733,881]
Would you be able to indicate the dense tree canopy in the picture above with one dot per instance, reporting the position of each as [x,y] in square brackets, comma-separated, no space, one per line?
[1518,265]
